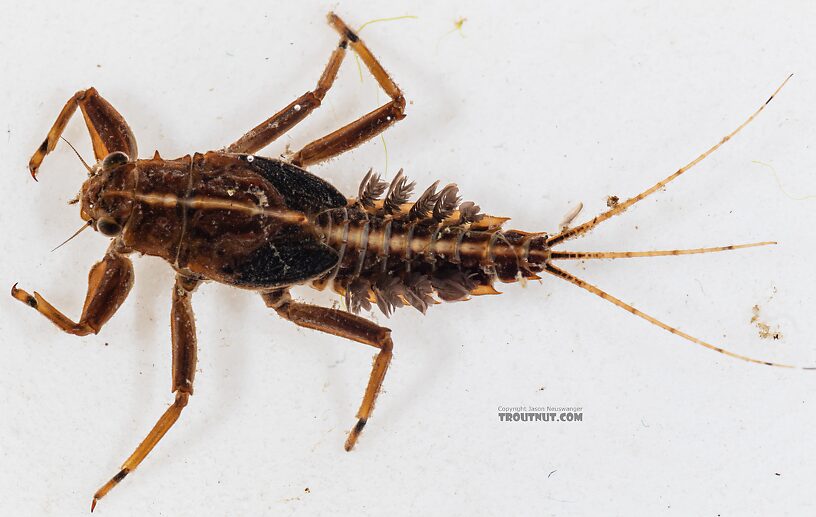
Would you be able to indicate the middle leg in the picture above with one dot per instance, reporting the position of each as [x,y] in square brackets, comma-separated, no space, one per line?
[182,325]
[350,136]
[349,326]
[272,128]
[366,127]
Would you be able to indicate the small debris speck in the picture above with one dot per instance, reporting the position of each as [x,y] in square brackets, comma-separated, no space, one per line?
[765,331]
[612,201]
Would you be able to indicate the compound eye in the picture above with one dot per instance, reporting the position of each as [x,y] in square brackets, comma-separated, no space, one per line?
[108,227]
[115,159]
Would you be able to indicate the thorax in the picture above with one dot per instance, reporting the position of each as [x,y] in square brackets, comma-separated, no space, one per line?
[200,201]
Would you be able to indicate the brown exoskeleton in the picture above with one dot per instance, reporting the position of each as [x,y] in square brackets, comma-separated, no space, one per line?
[267,225]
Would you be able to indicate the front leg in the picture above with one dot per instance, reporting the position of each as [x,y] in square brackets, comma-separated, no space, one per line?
[349,326]
[109,283]
[108,129]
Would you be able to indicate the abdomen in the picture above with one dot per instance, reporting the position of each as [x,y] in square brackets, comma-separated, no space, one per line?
[394,261]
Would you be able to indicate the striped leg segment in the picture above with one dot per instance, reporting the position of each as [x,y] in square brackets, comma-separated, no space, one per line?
[182,324]
[281,122]
[349,326]
[345,138]
[366,127]
[108,129]
[109,283]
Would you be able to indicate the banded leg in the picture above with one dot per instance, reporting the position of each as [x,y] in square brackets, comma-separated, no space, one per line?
[109,283]
[108,129]
[284,120]
[366,127]
[343,139]
[182,325]
[349,326]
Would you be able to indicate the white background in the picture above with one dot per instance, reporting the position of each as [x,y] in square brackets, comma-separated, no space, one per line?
[530,109]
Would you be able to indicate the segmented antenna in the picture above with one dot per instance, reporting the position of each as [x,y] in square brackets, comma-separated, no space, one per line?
[446,203]
[84,227]
[424,205]
[398,193]
[87,167]
[371,188]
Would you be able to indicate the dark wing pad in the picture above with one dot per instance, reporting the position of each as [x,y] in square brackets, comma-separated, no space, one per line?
[290,258]
[301,190]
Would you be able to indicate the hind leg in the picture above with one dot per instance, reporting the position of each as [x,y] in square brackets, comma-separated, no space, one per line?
[349,326]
